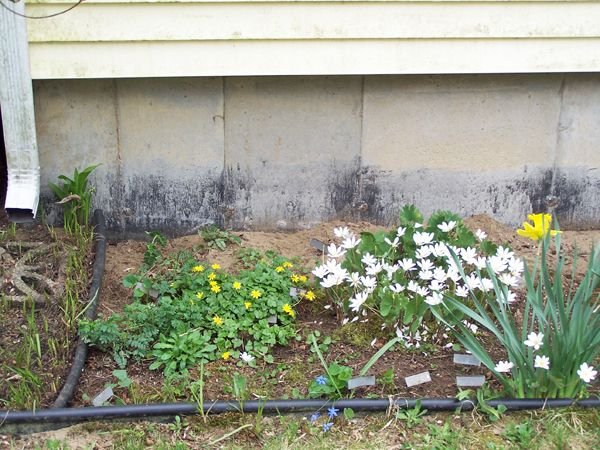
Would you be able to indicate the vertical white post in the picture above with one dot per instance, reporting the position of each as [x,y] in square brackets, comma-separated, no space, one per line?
[18,120]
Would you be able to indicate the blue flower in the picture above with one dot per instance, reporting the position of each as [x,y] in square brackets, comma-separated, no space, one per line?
[314,417]
[321,380]
[327,426]
[332,412]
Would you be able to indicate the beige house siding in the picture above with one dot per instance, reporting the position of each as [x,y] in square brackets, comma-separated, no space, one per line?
[115,39]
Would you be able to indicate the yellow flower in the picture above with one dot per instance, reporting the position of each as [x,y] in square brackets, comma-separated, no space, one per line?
[247,305]
[217,321]
[255,294]
[310,296]
[200,295]
[216,288]
[198,268]
[213,283]
[226,355]
[288,309]
[279,269]
[540,228]
[215,266]
[287,265]
[237,285]
[295,278]
[211,276]
[303,278]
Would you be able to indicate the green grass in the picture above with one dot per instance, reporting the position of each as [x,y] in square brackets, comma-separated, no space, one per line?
[551,429]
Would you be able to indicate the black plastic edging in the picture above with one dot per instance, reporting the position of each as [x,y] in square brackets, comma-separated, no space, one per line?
[81,350]
[75,415]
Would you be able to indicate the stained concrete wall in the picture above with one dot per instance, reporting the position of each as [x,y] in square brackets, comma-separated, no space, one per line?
[287,152]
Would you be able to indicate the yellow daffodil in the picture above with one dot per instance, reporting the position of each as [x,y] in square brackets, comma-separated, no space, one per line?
[212,276]
[287,265]
[215,266]
[217,321]
[216,288]
[226,355]
[288,310]
[279,269]
[237,285]
[247,305]
[539,229]
[199,268]
[255,294]
[200,295]
[310,296]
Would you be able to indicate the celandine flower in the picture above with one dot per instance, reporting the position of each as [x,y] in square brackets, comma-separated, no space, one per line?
[534,340]
[279,269]
[587,373]
[226,355]
[255,294]
[539,229]
[288,310]
[200,295]
[217,321]
[199,268]
[542,362]
[236,285]
[215,266]
[309,295]
[247,305]
[216,288]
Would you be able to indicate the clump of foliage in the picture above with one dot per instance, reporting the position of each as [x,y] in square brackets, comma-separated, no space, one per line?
[400,274]
[76,198]
[217,238]
[186,312]
[552,344]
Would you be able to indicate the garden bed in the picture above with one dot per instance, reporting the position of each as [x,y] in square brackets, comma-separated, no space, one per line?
[296,365]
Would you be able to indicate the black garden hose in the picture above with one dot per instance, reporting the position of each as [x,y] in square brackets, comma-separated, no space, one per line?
[68,389]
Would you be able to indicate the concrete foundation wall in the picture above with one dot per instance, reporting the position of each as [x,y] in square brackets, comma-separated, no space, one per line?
[287,152]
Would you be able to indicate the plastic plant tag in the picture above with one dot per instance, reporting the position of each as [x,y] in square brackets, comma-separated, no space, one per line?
[357,382]
[315,243]
[103,397]
[467,360]
[272,319]
[420,378]
[470,381]
[293,292]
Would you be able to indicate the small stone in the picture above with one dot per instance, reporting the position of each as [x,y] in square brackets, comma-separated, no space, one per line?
[272,319]
[317,244]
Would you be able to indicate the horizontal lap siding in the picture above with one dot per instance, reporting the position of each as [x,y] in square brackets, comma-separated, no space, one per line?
[147,39]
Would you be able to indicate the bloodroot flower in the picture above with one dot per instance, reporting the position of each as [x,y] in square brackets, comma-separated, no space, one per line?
[503,366]
[587,373]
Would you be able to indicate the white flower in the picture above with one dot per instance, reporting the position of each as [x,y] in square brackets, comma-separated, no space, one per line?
[373,342]
[439,274]
[509,279]
[354,279]
[462,291]
[470,326]
[423,238]
[534,340]
[357,301]
[422,291]
[418,225]
[473,282]
[468,255]
[424,252]
[341,232]
[587,373]
[412,286]
[335,252]
[394,244]
[504,366]
[425,275]
[481,235]
[246,357]
[370,283]
[320,271]
[511,297]
[434,299]
[407,264]
[516,266]
[542,362]
[400,231]
[391,270]
[333,266]
[504,253]
[350,242]
[335,278]
[453,274]
[396,288]
[436,285]
[425,264]
[368,259]
[480,262]
[486,284]
[447,226]
[440,250]
[374,269]
[497,264]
